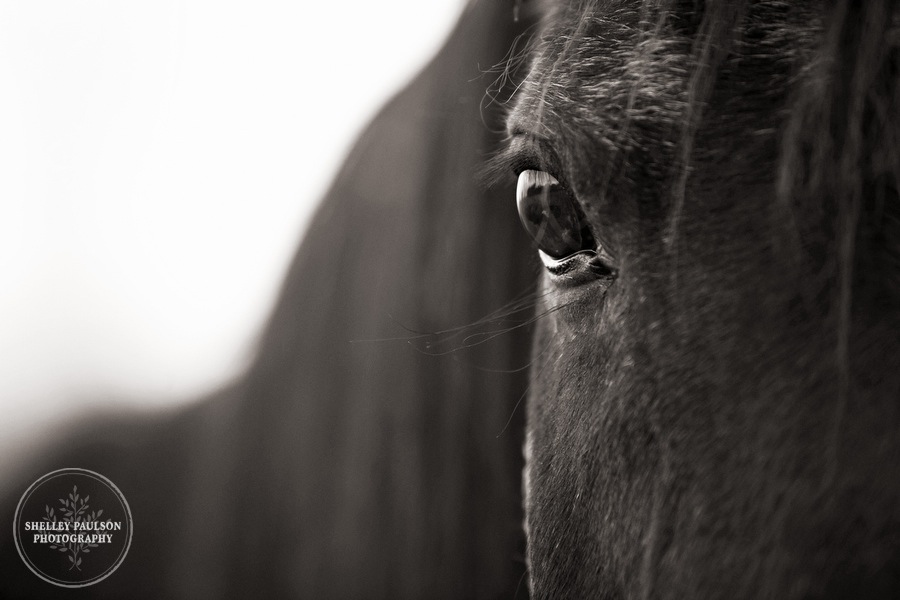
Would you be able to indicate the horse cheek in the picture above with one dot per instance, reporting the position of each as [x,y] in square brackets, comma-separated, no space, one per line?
[591,445]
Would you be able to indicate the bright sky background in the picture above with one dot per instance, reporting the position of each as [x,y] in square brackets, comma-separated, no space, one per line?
[158,161]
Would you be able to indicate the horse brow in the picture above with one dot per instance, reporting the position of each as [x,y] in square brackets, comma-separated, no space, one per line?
[522,150]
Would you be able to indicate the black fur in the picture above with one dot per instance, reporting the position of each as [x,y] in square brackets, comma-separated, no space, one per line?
[718,419]
[721,421]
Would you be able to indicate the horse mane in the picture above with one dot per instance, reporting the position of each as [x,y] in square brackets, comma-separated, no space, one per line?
[348,462]
[394,458]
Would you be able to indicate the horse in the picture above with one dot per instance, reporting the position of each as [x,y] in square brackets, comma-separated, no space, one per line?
[650,352]
[712,188]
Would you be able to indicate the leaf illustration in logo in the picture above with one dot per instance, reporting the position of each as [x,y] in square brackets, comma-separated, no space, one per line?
[75,511]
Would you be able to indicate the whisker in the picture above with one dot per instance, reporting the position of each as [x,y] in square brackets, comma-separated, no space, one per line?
[527,388]
[525,301]
[519,585]
[489,335]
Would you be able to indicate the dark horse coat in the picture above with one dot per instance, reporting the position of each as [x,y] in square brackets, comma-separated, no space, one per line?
[705,378]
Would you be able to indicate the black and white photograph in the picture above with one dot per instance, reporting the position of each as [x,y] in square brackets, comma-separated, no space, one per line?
[488,299]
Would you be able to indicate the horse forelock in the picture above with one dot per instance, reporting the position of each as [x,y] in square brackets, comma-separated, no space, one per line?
[827,93]
[664,61]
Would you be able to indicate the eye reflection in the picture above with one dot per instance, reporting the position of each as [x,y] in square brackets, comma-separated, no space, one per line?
[551,215]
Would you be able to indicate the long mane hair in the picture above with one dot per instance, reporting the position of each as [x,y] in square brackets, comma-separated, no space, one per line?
[349,463]
[354,458]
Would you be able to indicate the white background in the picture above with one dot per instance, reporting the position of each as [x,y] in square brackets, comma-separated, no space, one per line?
[158,162]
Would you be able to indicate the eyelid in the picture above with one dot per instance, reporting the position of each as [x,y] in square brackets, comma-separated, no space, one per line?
[526,151]
[522,152]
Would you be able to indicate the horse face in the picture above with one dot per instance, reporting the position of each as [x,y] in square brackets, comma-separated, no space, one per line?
[709,416]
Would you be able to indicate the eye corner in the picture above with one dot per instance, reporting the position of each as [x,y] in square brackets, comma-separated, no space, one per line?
[579,268]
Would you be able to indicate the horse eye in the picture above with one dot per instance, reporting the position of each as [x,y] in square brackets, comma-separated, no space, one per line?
[552,216]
